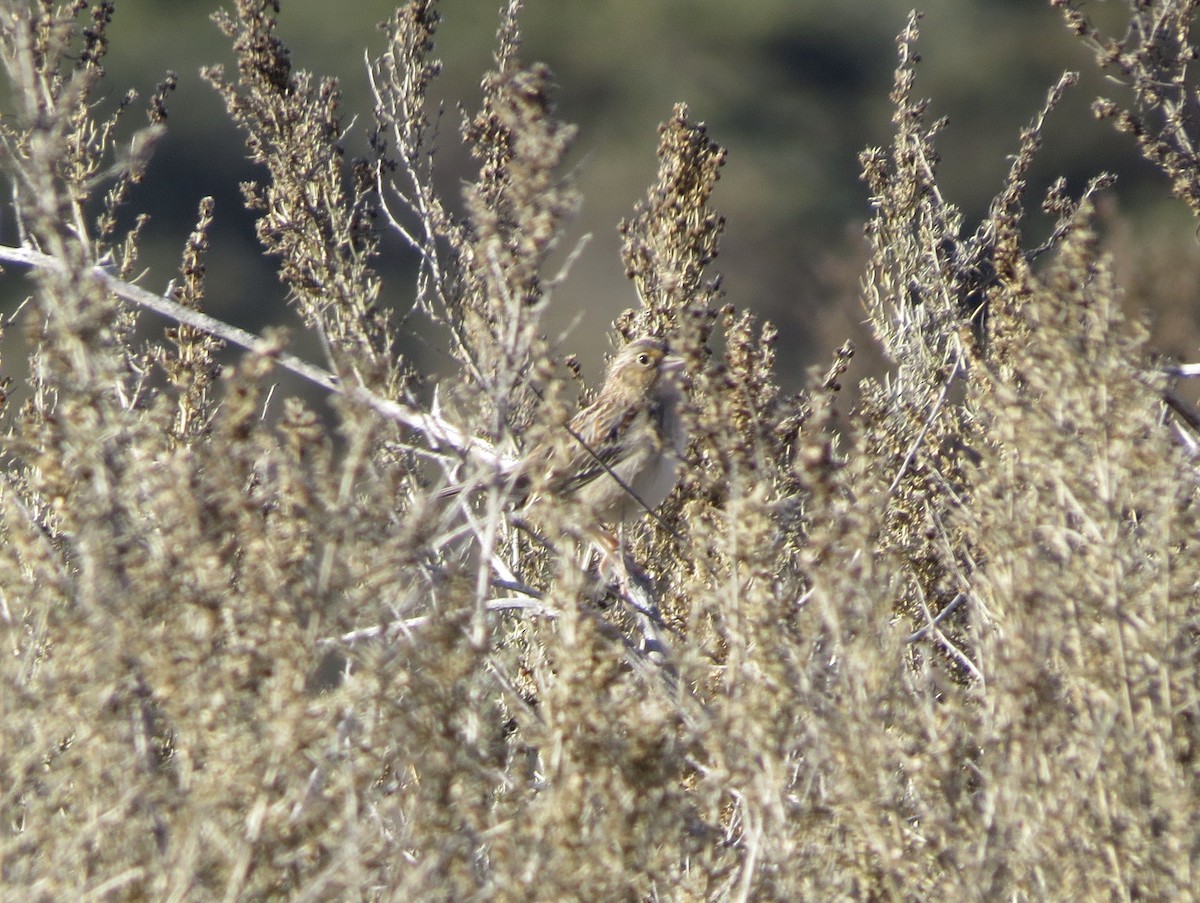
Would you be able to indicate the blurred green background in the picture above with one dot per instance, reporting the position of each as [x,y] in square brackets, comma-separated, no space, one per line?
[793,88]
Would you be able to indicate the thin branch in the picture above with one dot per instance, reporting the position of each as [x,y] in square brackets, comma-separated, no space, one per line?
[916,443]
[932,627]
[1186,412]
[437,431]
[941,616]
[530,603]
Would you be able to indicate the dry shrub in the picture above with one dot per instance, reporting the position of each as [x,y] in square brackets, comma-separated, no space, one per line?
[941,646]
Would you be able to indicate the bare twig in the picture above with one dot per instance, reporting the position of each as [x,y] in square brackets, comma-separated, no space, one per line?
[955,603]
[529,603]
[1186,412]
[916,443]
[437,431]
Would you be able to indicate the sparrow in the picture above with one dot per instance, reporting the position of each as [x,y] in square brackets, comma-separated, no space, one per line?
[622,460]
[622,453]
[619,456]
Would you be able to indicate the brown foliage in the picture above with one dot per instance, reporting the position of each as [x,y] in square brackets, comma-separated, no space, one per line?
[942,646]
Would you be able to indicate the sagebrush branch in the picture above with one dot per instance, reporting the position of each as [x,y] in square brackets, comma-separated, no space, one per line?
[437,431]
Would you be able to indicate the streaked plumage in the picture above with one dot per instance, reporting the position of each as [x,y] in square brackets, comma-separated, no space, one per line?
[621,454]
[631,434]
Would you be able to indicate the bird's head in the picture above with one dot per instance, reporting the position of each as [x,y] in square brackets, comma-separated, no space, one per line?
[638,367]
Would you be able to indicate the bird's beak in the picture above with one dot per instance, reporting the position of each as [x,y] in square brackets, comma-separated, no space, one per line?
[671,363]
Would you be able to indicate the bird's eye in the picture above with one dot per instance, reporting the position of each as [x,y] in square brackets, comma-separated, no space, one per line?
[644,359]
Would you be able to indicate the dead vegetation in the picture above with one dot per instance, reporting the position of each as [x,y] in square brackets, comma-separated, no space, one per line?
[942,646]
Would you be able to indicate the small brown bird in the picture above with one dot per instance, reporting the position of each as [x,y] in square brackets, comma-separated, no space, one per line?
[623,451]
[620,456]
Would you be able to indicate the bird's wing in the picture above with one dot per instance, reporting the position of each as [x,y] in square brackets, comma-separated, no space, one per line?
[595,452]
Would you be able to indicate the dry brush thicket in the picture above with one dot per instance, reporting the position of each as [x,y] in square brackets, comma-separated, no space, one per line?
[940,646]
